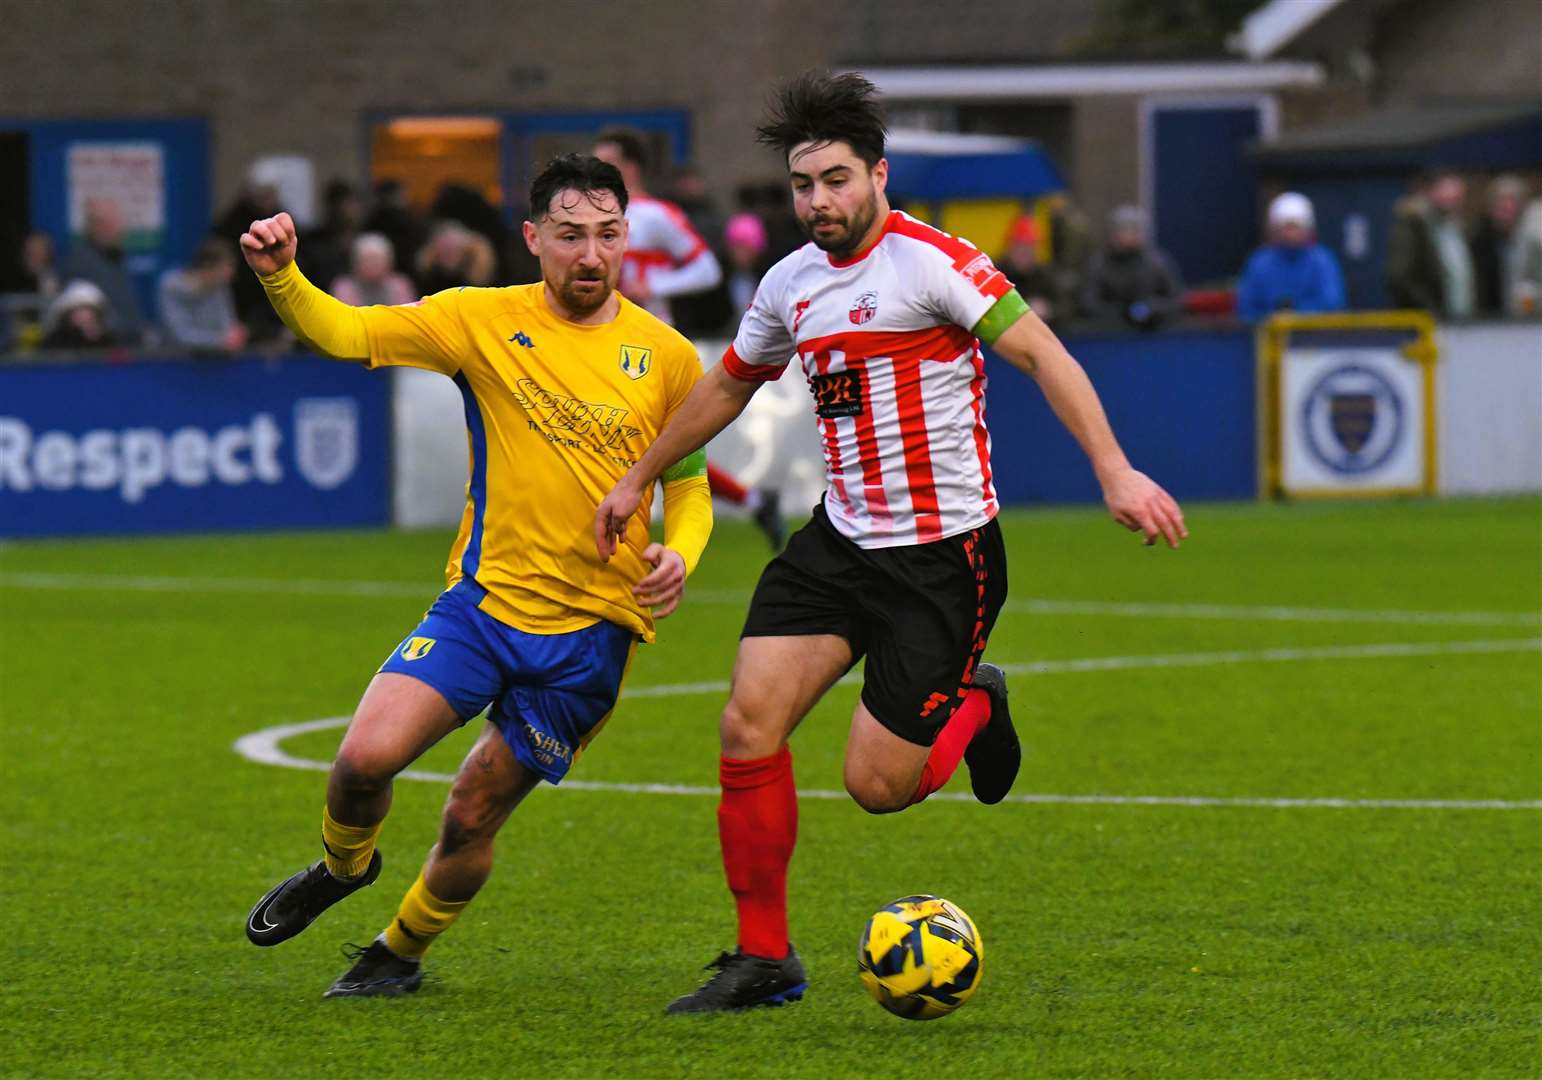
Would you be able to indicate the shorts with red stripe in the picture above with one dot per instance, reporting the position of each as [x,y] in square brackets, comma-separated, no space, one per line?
[921,613]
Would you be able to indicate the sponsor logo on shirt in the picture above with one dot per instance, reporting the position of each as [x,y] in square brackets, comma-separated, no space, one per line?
[574,424]
[837,394]
[864,309]
[978,270]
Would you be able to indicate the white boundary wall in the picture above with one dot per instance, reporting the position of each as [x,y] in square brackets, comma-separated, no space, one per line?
[1489,408]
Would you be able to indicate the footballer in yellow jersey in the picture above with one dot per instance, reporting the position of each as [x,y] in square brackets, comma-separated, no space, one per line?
[565,383]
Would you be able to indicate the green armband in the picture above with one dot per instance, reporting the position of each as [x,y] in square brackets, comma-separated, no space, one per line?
[1002,314]
[687,467]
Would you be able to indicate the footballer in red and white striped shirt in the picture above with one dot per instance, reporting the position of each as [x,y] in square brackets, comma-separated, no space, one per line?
[903,561]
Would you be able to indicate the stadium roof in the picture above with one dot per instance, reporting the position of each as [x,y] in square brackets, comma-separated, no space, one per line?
[1016,82]
[1270,28]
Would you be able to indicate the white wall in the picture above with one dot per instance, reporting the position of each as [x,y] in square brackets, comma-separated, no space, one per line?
[1490,409]
[430,449]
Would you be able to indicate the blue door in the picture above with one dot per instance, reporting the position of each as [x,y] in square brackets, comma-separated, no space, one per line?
[1204,188]
[1354,215]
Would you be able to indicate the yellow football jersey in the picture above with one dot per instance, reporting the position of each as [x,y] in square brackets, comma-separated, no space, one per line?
[556,413]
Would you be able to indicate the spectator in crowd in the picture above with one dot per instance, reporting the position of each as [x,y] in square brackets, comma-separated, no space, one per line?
[1429,265]
[392,217]
[29,282]
[1068,245]
[702,313]
[198,308]
[1129,279]
[468,206]
[256,200]
[329,246]
[453,256]
[1496,247]
[98,258]
[744,244]
[1036,282]
[1292,272]
[373,279]
[1526,300]
[35,272]
[771,201]
[79,318]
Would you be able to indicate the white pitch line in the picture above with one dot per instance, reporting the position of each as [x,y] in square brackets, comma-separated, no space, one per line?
[716,597]
[265,746]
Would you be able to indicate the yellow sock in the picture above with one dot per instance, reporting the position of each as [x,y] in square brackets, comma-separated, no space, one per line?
[421,918]
[348,847]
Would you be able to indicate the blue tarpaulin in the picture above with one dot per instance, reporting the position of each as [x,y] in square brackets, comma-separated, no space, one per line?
[929,166]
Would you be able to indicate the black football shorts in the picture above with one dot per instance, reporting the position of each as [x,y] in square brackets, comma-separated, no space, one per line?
[921,614]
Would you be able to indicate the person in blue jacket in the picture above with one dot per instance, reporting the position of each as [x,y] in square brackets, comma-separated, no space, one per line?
[1292,272]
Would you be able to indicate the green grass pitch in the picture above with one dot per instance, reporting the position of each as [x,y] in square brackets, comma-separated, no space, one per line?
[1298,660]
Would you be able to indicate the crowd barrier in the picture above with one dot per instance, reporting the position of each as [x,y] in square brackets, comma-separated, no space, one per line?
[277,442]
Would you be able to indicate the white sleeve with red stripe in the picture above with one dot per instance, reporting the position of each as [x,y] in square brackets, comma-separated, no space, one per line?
[962,283]
[764,345]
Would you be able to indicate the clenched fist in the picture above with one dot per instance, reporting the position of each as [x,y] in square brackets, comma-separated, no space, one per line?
[269,245]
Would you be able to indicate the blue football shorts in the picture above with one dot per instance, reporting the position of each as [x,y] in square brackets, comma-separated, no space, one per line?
[549,694]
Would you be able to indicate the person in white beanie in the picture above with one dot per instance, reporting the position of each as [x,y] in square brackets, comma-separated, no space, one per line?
[1292,272]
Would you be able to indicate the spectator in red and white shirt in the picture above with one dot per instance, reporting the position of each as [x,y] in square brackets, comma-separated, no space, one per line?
[904,561]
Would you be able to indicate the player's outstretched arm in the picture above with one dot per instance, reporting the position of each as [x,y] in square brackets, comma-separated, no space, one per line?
[327,324]
[713,403]
[1132,497]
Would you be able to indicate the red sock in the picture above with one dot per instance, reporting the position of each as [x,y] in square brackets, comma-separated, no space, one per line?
[948,750]
[757,822]
[725,486]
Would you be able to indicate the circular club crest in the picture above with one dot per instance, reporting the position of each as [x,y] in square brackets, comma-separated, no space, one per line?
[1352,418]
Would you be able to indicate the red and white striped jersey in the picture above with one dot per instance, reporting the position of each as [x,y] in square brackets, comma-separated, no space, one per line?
[664,255]
[886,342]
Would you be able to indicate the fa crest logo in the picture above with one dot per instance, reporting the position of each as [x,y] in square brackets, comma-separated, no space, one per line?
[416,648]
[864,309]
[636,361]
[326,433]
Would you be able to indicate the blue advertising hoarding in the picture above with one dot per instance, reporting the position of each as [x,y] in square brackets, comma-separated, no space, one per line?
[1182,405]
[189,445]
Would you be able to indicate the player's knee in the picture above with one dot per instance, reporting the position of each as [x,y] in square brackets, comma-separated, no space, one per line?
[875,793]
[747,732]
[361,773]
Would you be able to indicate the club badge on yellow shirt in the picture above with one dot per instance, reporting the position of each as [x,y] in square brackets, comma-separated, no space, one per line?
[636,361]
